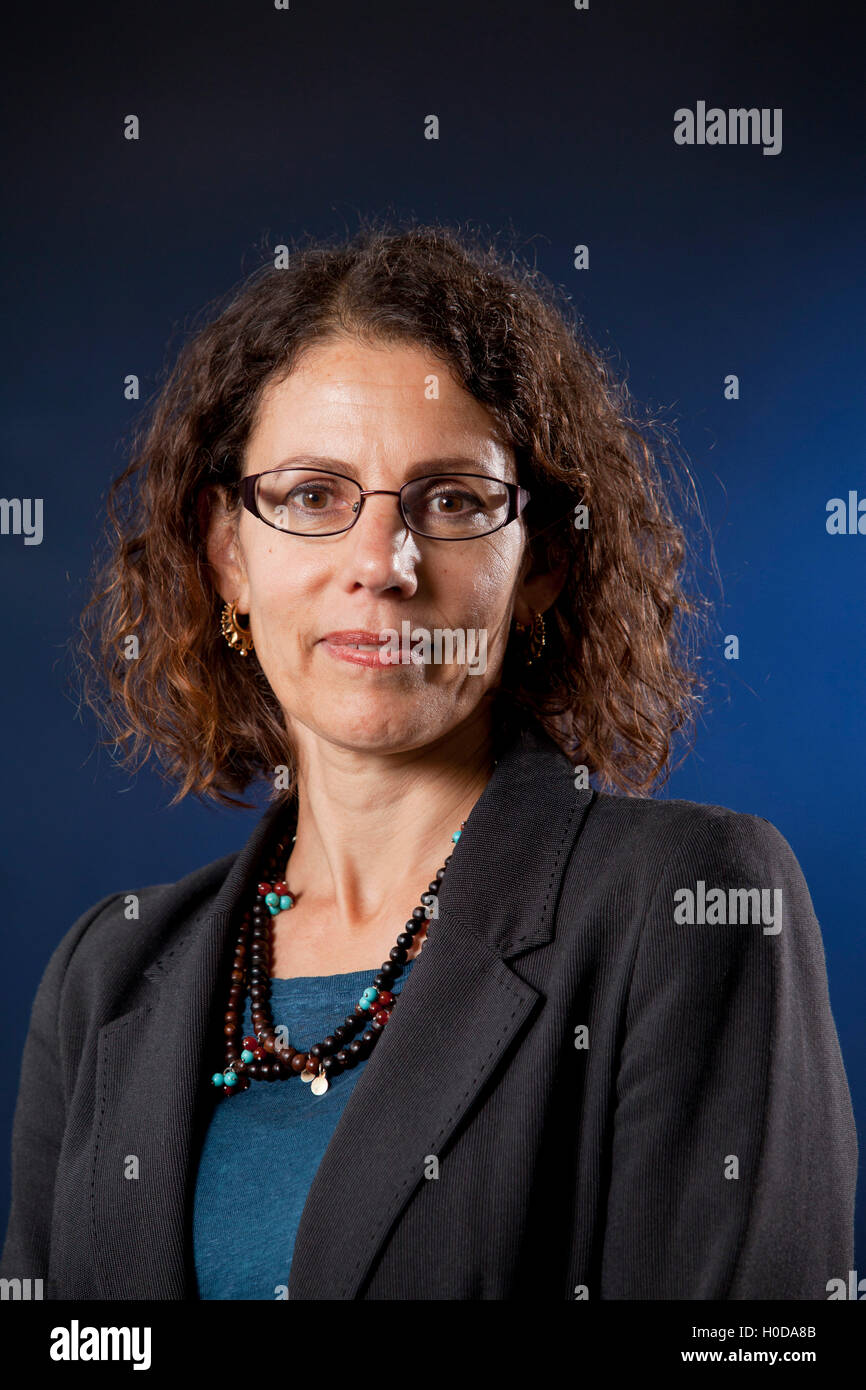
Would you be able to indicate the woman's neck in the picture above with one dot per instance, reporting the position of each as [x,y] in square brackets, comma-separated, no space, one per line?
[370,829]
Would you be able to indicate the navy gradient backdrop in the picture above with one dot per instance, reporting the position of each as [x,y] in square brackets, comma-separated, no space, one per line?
[258,125]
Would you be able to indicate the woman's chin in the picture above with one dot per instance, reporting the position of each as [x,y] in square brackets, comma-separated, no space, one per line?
[373,724]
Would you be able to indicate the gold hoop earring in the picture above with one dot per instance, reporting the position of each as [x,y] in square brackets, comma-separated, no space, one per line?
[239,638]
[535,641]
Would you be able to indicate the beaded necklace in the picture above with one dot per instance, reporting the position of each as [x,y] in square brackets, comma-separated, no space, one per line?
[266,1056]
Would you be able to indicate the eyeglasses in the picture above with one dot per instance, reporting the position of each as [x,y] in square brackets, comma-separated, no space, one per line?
[315,502]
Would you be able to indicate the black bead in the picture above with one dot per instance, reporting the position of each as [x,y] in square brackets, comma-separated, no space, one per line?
[343,1034]
[398,955]
[330,1045]
[406,938]
[316,1051]
[356,1049]
[346,1058]
[388,969]
[332,1067]
[440,874]
[433,888]
[419,914]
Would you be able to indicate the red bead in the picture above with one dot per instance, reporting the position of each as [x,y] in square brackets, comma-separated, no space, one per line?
[280,888]
[264,888]
[385,998]
[251,1042]
[259,1054]
[382,1016]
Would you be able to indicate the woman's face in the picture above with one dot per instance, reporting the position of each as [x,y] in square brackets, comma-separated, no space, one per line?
[371,413]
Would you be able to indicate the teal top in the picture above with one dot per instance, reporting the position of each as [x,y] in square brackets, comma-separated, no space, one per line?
[264,1145]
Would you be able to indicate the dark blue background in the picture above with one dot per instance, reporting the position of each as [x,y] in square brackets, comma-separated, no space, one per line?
[258,125]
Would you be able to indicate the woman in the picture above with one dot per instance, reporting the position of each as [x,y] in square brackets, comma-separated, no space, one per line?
[612,1071]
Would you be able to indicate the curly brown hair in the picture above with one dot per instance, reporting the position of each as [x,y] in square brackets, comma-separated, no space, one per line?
[615,683]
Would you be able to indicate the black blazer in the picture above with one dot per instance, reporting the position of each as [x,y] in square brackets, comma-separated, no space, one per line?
[701,1146]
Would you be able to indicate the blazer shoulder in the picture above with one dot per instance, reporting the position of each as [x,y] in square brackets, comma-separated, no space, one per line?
[103,955]
[659,828]
[637,846]
[733,867]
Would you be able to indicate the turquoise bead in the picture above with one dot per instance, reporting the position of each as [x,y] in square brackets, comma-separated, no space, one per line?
[272,900]
[218,1079]
[230,1078]
[247,1056]
[456,836]
[286,901]
[370,993]
[364,1003]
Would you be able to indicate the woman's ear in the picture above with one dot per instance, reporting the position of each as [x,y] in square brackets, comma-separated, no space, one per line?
[219,527]
[539,586]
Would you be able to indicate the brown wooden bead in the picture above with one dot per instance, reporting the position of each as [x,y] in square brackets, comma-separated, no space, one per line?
[298,1062]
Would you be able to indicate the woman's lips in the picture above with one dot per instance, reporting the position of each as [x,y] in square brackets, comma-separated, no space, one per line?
[361,648]
[355,636]
[358,656]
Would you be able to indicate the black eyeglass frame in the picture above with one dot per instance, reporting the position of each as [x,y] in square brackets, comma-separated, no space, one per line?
[518,497]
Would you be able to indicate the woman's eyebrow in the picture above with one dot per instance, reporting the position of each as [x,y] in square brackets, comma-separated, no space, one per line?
[448,463]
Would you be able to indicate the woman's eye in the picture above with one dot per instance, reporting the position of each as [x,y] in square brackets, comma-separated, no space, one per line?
[450,497]
[306,493]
